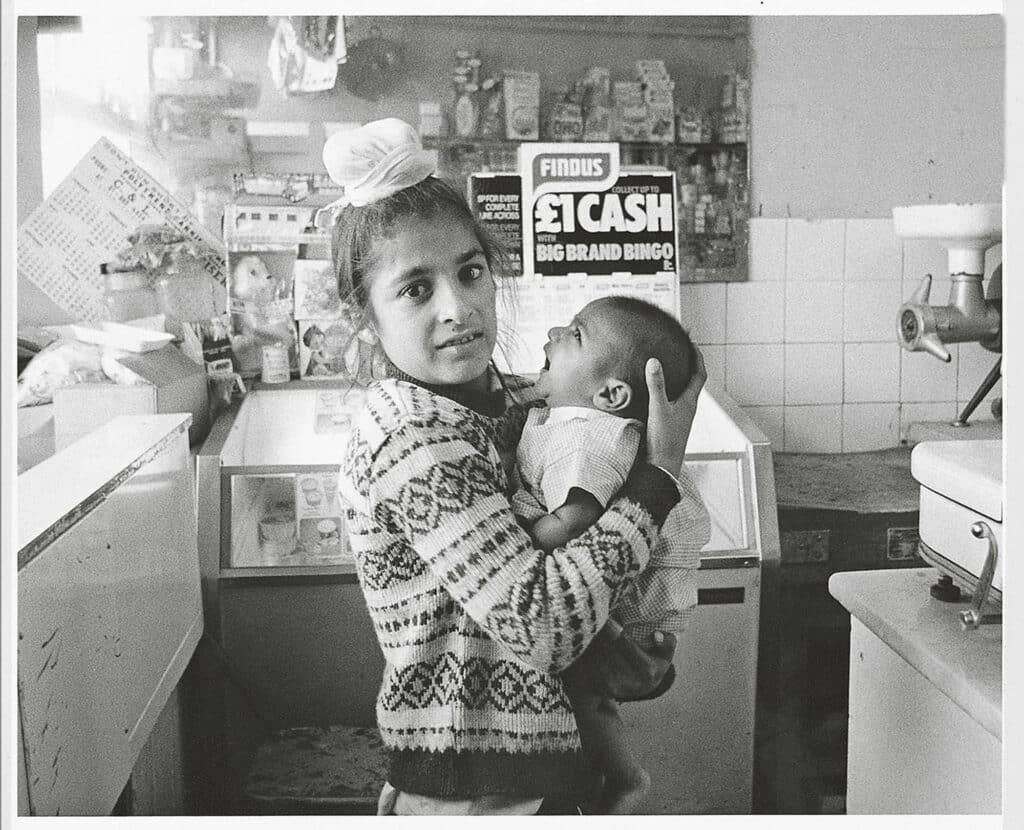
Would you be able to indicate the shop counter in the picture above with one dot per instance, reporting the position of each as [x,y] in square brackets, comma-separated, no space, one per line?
[925,699]
[109,607]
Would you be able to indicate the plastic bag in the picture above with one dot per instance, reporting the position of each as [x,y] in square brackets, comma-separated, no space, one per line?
[63,363]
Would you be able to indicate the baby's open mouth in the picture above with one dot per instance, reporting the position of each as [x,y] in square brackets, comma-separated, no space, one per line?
[546,366]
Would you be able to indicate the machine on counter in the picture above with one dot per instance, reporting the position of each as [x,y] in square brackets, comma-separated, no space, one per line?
[966,231]
[961,481]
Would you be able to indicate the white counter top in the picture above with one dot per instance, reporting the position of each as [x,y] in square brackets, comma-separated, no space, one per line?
[897,607]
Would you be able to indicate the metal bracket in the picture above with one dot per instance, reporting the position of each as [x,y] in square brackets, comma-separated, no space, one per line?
[972,617]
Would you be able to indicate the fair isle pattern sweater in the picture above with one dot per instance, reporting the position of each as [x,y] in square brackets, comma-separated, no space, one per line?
[475,624]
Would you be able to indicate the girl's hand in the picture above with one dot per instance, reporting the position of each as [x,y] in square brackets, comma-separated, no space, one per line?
[669,423]
[618,668]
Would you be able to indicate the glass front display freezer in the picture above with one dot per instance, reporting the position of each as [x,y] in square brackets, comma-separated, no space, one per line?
[269,469]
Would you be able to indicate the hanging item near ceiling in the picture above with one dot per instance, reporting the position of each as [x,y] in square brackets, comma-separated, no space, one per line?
[305,52]
[374,66]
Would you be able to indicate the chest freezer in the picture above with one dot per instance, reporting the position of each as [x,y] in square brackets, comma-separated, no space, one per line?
[696,740]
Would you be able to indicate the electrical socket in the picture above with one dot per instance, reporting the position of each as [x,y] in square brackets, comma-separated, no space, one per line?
[804,546]
[901,543]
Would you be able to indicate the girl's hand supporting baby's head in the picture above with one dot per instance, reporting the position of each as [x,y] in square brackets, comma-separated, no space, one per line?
[669,422]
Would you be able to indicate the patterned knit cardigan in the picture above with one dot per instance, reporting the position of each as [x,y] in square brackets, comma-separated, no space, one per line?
[475,624]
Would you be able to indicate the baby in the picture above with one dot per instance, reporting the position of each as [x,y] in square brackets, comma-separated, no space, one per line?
[573,457]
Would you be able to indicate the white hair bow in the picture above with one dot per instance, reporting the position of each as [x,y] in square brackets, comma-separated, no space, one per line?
[376,160]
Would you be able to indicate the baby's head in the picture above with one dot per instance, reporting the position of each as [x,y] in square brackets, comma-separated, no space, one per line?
[599,359]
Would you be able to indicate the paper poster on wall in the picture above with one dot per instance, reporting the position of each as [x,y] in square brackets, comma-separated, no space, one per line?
[496,200]
[583,216]
[87,220]
[527,309]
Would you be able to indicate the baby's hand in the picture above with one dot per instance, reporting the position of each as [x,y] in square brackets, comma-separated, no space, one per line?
[618,668]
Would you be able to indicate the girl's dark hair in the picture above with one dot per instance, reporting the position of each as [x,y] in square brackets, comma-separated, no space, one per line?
[358,230]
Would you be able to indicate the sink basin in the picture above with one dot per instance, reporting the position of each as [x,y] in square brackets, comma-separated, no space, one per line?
[972,225]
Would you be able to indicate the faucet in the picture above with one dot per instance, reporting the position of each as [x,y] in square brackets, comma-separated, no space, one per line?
[967,316]
[966,231]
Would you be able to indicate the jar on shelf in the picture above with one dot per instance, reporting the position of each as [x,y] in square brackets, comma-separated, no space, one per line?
[187,295]
[128,295]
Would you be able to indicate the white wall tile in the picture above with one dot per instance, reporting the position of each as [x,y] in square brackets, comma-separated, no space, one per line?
[814,373]
[924,256]
[871,310]
[771,421]
[814,428]
[871,426]
[755,312]
[871,372]
[814,312]
[702,311]
[914,413]
[926,379]
[754,374]
[973,366]
[767,249]
[873,252]
[714,363]
[814,249]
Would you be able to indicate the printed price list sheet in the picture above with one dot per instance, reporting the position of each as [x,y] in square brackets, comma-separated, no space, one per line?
[529,306]
[87,220]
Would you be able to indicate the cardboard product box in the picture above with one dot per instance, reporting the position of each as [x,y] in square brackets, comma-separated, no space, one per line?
[564,122]
[660,93]
[627,93]
[332,349]
[650,69]
[173,383]
[597,124]
[661,123]
[315,289]
[522,105]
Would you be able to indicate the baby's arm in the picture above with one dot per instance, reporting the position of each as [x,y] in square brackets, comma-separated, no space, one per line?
[555,529]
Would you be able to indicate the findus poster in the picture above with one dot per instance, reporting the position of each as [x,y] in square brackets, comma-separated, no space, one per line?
[583,216]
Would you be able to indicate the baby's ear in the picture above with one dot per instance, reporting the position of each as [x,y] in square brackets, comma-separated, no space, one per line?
[613,395]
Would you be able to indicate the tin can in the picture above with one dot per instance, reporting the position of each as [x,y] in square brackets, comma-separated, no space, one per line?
[275,363]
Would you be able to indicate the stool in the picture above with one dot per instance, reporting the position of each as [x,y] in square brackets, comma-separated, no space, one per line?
[318,769]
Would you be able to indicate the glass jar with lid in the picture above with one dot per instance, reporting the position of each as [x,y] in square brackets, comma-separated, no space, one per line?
[128,295]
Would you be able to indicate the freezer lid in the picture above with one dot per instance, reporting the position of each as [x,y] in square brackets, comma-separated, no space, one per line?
[967,472]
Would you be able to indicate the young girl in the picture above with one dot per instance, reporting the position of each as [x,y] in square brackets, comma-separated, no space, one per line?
[475,624]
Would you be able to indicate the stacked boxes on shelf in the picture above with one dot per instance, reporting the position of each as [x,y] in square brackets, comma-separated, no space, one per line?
[658,92]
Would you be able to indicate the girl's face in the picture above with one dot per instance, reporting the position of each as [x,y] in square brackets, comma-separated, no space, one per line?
[431,294]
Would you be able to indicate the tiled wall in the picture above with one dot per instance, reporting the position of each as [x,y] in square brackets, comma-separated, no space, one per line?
[808,345]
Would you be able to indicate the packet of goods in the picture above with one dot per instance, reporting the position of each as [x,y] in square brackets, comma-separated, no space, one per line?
[627,126]
[688,125]
[522,104]
[652,69]
[661,123]
[431,122]
[659,93]
[491,110]
[321,529]
[595,99]
[628,93]
[564,122]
